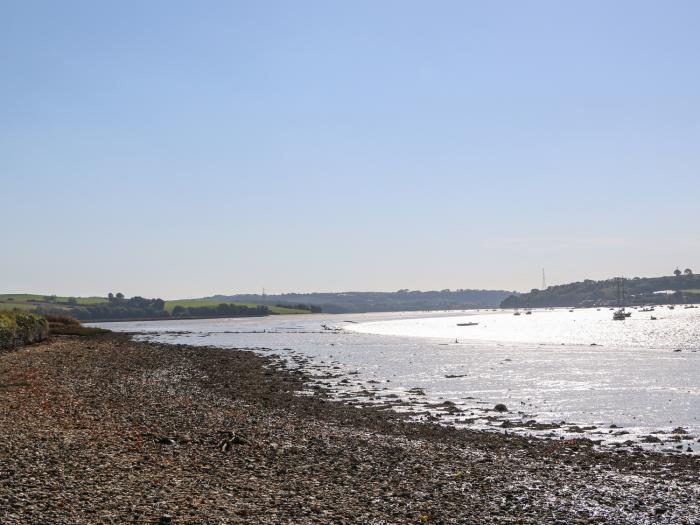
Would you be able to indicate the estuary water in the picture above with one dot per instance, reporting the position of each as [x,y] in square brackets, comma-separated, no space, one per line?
[559,373]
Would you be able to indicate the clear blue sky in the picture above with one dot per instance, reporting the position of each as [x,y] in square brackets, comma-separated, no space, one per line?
[180,149]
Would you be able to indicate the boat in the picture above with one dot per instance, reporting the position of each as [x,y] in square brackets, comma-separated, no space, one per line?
[467,324]
[528,312]
[516,312]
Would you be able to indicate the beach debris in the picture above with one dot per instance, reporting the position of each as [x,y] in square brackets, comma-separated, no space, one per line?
[165,440]
[230,439]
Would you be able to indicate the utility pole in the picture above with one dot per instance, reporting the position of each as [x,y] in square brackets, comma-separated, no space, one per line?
[544,282]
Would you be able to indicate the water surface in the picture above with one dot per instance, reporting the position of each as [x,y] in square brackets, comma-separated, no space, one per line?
[581,372]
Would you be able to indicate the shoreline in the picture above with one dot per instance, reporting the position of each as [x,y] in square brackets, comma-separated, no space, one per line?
[108,430]
[465,391]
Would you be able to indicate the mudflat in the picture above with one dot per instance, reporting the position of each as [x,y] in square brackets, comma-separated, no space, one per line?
[108,430]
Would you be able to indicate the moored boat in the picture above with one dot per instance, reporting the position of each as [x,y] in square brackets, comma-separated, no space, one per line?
[619,315]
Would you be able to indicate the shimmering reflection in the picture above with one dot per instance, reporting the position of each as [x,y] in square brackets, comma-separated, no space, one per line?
[640,377]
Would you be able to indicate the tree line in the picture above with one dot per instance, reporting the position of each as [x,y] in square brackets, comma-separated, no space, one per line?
[120,307]
[312,308]
[221,310]
[116,307]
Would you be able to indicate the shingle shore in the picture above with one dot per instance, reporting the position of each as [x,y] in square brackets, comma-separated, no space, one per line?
[108,430]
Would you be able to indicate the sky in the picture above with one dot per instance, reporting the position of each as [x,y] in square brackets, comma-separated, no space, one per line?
[182,149]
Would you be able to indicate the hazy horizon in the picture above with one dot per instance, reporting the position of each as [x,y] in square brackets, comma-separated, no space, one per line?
[169,150]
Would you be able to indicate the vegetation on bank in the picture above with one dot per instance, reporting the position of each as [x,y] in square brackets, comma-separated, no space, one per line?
[208,303]
[682,287]
[220,310]
[64,325]
[18,328]
[299,307]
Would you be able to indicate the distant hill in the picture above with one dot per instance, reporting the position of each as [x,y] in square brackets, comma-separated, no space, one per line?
[119,307]
[684,288]
[357,302]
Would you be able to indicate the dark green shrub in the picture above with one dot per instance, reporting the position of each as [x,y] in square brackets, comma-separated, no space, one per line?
[21,328]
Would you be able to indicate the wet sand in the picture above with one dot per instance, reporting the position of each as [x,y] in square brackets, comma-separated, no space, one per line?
[107,430]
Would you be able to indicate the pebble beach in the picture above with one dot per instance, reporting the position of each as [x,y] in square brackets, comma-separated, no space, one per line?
[108,430]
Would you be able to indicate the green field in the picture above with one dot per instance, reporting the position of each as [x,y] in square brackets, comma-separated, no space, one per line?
[26,301]
[186,303]
[16,306]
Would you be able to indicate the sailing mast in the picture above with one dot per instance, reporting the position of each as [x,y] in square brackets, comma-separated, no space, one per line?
[620,314]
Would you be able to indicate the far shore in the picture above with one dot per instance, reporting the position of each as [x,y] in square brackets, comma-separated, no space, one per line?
[185,318]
